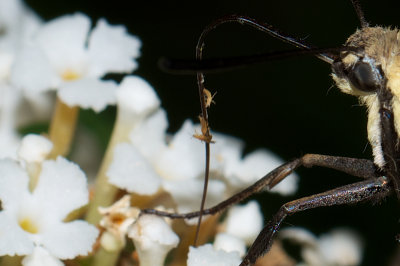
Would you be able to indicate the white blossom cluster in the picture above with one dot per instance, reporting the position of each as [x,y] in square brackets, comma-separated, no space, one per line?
[49,211]
[341,246]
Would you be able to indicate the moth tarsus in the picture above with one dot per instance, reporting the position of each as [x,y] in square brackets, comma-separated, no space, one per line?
[368,66]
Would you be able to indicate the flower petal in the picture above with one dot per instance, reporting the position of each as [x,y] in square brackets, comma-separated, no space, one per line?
[245,222]
[10,13]
[69,240]
[187,193]
[227,153]
[206,255]
[341,247]
[17,20]
[34,148]
[6,61]
[32,70]
[41,257]
[136,97]
[13,183]
[229,243]
[112,50]
[13,240]
[9,143]
[184,158]
[89,93]
[129,170]
[136,100]
[150,137]
[258,163]
[299,236]
[63,40]
[61,188]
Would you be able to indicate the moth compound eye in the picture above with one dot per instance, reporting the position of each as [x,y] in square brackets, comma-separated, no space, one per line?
[364,77]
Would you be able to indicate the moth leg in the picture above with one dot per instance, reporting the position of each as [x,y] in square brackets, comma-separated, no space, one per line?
[369,189]
[357,167]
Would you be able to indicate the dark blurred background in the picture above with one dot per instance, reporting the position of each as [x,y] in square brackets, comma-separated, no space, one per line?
[289,106]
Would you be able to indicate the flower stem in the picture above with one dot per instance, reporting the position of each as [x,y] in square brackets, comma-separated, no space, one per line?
[105,258]
[62,128]
[11,261]
[104,195]
[104,192]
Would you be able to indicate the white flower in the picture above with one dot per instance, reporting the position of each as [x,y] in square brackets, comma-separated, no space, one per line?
[65,55]
[152,235]
[207,255]
[153,239]
[341,247]
[116,220]
[36,219]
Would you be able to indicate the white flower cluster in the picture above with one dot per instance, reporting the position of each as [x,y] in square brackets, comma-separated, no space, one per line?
[60,64]
[33,222]
[148,163]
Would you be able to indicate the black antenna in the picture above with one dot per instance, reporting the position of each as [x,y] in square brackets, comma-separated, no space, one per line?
[360,13]
[213,65]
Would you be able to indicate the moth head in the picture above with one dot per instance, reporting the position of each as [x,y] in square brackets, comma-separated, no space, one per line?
[363,68]
[369,67]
